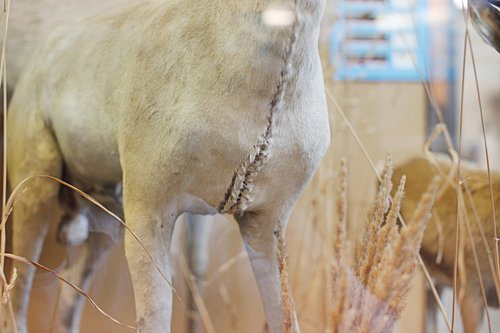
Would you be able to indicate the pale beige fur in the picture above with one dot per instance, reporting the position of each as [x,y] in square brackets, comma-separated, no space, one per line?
[32,21]
[438,246]
[168,97]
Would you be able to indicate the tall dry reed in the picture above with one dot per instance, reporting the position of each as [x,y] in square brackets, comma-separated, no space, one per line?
[370,296]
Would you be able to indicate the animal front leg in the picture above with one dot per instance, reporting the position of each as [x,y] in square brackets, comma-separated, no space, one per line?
[259,235]
[152,291]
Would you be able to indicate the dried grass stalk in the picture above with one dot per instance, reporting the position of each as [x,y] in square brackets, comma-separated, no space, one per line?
[196,295]
[8,287]
[367,248]
[286,298]
[338,272]
[230,308]
[371,297]
[78,289]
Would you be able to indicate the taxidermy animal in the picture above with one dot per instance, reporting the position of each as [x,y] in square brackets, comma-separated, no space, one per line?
[31,21]
[164,100]
[438,246]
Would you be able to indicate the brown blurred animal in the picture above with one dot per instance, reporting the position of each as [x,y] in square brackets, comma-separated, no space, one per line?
[438,246]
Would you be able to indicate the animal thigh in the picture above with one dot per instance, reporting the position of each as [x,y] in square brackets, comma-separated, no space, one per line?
[32,150]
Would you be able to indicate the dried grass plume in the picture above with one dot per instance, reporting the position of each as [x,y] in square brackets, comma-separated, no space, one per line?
[370,297]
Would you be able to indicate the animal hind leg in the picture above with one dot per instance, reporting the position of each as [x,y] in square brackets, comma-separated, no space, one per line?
[81,273]
[105,233]
[32,151]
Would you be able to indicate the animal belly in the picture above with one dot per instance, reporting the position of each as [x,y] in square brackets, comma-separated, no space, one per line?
[90,155]
[96,167]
